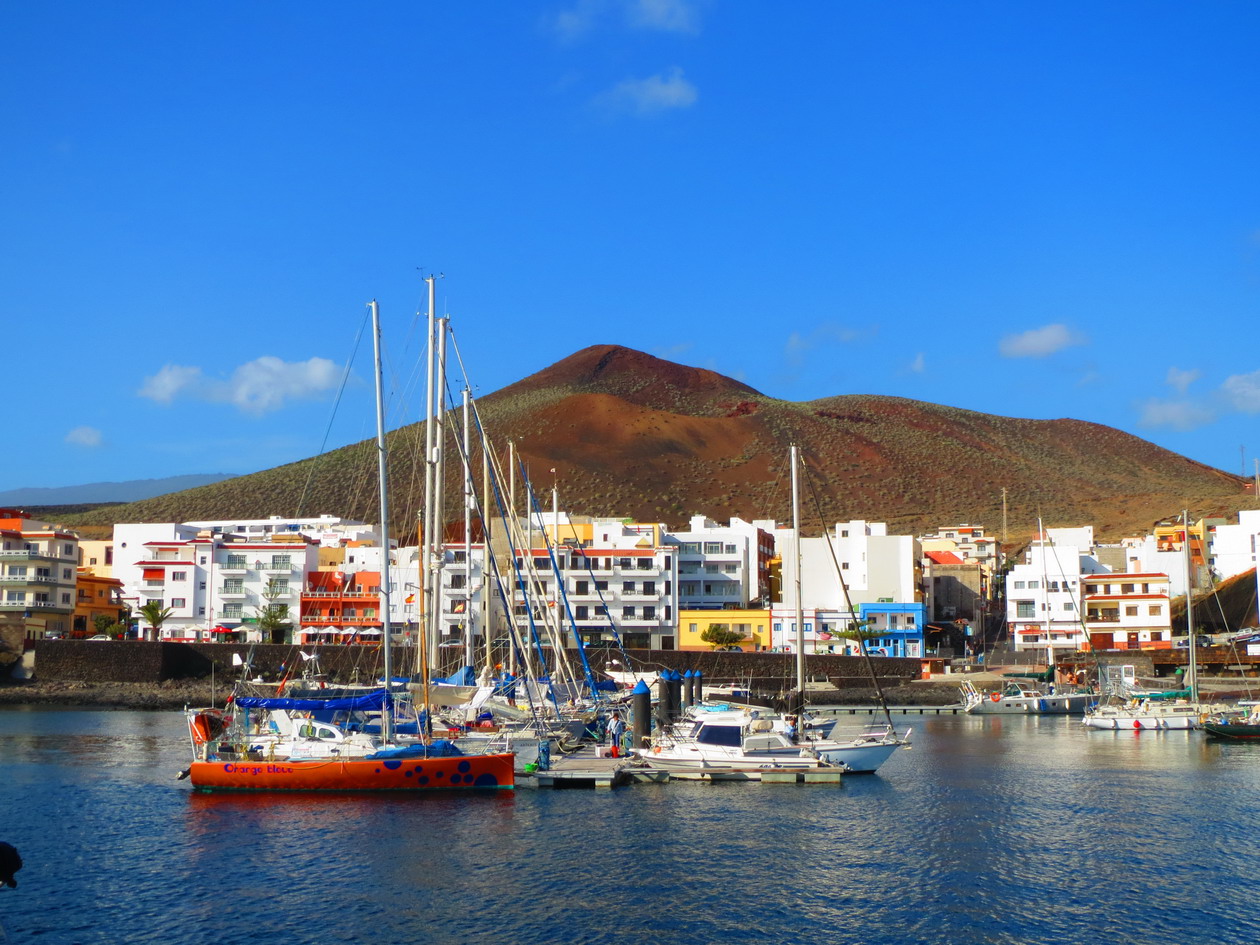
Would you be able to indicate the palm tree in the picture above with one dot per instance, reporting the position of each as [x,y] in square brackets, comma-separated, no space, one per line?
[155,615]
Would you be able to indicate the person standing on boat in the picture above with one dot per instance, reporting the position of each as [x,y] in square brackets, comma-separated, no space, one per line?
[789,728]
[616,731]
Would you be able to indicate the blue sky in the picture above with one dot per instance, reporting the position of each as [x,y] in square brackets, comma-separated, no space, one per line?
[1030,209]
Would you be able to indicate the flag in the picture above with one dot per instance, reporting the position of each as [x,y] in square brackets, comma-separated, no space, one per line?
[236,660]
[411,599]
[459,607]
[306,656]
[339,577]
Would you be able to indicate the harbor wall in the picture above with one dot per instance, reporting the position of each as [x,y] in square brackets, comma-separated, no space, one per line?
[153,662]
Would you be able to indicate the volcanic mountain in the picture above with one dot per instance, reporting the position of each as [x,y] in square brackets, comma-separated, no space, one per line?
[631,435]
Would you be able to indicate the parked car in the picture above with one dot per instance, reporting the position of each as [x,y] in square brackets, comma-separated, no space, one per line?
[1199,640]
[101,636]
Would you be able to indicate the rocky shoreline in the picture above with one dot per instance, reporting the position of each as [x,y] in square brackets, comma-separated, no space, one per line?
[176,694]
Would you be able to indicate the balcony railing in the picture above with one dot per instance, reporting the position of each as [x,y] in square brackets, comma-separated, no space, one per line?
[370,595]
[40,607]
[226,591]
[26,579]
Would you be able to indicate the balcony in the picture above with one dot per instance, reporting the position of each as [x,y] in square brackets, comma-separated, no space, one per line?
[234,566]
[27,554]
[274,567]
[227,591]
[26,579]
[42,607]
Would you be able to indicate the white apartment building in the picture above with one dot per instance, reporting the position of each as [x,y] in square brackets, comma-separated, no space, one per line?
[722,567]
[1232,548]
[38,573]
[882,573]
[209,583]
[329,531]
[968,542]
[1127,611]
[1043,596]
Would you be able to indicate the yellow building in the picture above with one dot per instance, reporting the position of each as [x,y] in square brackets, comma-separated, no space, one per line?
[754,624]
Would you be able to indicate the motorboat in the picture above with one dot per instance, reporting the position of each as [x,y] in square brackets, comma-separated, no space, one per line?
[1016,698]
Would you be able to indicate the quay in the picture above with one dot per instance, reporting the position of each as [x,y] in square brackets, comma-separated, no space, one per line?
[587,769]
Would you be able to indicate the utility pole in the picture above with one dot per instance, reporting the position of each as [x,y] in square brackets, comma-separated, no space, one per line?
[1004,515]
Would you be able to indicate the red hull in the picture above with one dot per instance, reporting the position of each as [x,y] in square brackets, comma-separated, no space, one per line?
[462,772]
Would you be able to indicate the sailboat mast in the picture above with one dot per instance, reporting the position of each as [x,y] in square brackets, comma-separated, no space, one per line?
[800,606]
[439,494]
[1045,592]
[426,551]
[387,709]
[468,507]
[1193,681]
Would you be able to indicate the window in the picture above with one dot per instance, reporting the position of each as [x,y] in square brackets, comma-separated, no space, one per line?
[627,587]
[231,611]
[278,587]
[1126,588]
[1131,611]
[67,549]
[457,581]
[66,574]
[731,568]
[1025,609]
[690,548]
[628,611]
[1019,585]
[280,562]
[17,570]
[234,586]
[1069,606]
[1155,611]
[15,596]
[601,585]
[580,612]
[712,547]
[1033,585]
[235,562]
[844,565]
[179,575]
[581,587]
[649,612]
[177,602]
[65,597]
[731,549]
[649,588]
[201,585]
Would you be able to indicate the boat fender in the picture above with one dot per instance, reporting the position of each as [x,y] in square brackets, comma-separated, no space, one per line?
[996,697]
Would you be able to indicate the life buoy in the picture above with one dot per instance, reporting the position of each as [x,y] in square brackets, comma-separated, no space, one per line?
[996,697]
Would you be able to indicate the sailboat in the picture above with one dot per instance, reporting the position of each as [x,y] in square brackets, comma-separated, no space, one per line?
[1177,709]
[319,756]
[745,741]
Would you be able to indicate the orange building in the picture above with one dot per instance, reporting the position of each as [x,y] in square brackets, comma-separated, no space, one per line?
[340,607]
[96,596]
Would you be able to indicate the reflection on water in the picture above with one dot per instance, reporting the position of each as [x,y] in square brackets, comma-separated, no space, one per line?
[994,829]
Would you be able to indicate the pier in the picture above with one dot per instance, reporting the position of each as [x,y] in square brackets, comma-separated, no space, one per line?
[588,769]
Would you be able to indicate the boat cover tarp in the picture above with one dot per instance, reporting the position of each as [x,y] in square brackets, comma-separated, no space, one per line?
[1171,694]
[370,701]
[441,748]
[464,677]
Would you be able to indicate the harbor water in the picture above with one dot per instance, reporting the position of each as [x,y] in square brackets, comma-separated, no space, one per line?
[990,830]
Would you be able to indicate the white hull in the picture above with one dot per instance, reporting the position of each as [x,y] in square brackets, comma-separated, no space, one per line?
[1146,718]
[1067,704]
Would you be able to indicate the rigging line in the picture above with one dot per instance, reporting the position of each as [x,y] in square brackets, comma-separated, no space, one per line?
[513,557]
[848,601]
[341,388]
[564,595]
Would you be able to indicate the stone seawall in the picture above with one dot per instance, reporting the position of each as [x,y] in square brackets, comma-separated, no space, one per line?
[155,662]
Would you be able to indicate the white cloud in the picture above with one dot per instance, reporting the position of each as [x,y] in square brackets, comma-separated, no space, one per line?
[668,16]
[1039,342]
[1180,380]
[918,364]
[1243,391]
[84,436]
[166,384]
[651,96]
[671,16]
[1175,414]
[257,387]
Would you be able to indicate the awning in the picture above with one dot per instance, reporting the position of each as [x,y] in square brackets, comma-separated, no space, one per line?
[370,632]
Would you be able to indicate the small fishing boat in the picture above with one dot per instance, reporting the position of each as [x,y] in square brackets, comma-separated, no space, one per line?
[1243,724]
